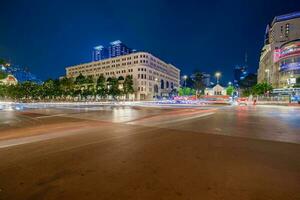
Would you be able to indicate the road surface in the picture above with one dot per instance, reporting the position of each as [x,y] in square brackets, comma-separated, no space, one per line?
[135,152]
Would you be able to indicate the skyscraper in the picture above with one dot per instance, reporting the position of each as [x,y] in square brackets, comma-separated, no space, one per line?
[117,48]
[100,53]
[240,72]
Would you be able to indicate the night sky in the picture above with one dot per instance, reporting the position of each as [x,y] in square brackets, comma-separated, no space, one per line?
[47,36]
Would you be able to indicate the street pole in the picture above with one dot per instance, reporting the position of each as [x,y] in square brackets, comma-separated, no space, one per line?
[185,77]
[217,75]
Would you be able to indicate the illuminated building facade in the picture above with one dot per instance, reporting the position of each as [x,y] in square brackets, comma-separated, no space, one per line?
[279,58]
[9,80]
[152,77]
[20,74]
[100,53]
[115,48]
[289,63]
[240,73]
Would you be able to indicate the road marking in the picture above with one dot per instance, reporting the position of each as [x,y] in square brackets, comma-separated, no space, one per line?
[174,120]
[50,116]
[49,136]
[35,138]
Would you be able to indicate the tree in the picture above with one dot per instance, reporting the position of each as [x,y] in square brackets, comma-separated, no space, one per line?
[113,87]
[128,86]
[89,80]
[100,86]
[3,75]
[3,91]
[80,82]
[186,91]
[229,90]
[189,82]
[3,62]
[50,89]
[80,79]
[198,82]
[262,89]
[66,86]
[29,90]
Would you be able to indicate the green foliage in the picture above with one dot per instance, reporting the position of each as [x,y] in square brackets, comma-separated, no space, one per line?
[68,88]
[80,80]
[229,90]
[2,61]
[128,85]
[186,91]
[66,85]
[3,75]
[3,91]
[261,88]
[113,87]
[101,86]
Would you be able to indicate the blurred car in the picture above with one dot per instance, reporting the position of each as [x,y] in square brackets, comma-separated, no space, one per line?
[242,101]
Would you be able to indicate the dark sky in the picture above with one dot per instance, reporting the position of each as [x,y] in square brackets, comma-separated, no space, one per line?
[47,36]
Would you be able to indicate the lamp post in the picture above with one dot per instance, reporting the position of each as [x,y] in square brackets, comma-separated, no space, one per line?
[184,78]
[218,75]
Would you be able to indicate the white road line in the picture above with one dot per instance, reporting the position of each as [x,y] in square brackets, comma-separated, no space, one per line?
[31,139]
[50,116]
[176,120]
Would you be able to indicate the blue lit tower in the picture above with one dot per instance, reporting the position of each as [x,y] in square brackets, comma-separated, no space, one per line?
[117,48]
[240,72]
[100,53]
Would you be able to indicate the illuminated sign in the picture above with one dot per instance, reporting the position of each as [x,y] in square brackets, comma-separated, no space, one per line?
[276,55]
[291,81]
[290,66]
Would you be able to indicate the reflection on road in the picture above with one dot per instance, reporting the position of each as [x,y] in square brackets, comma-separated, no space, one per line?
[276,123]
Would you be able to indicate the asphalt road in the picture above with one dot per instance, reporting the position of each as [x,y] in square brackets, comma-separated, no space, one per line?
[125,152]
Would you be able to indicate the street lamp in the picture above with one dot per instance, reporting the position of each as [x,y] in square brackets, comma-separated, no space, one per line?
[184,78]
[218,75]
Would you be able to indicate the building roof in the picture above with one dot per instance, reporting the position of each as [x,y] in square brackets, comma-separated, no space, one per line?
[286,17]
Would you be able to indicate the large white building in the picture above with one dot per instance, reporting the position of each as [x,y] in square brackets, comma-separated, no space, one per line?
[152,77]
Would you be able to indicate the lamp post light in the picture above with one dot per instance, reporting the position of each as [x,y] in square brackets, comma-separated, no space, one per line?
[184,78]
[218,75]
